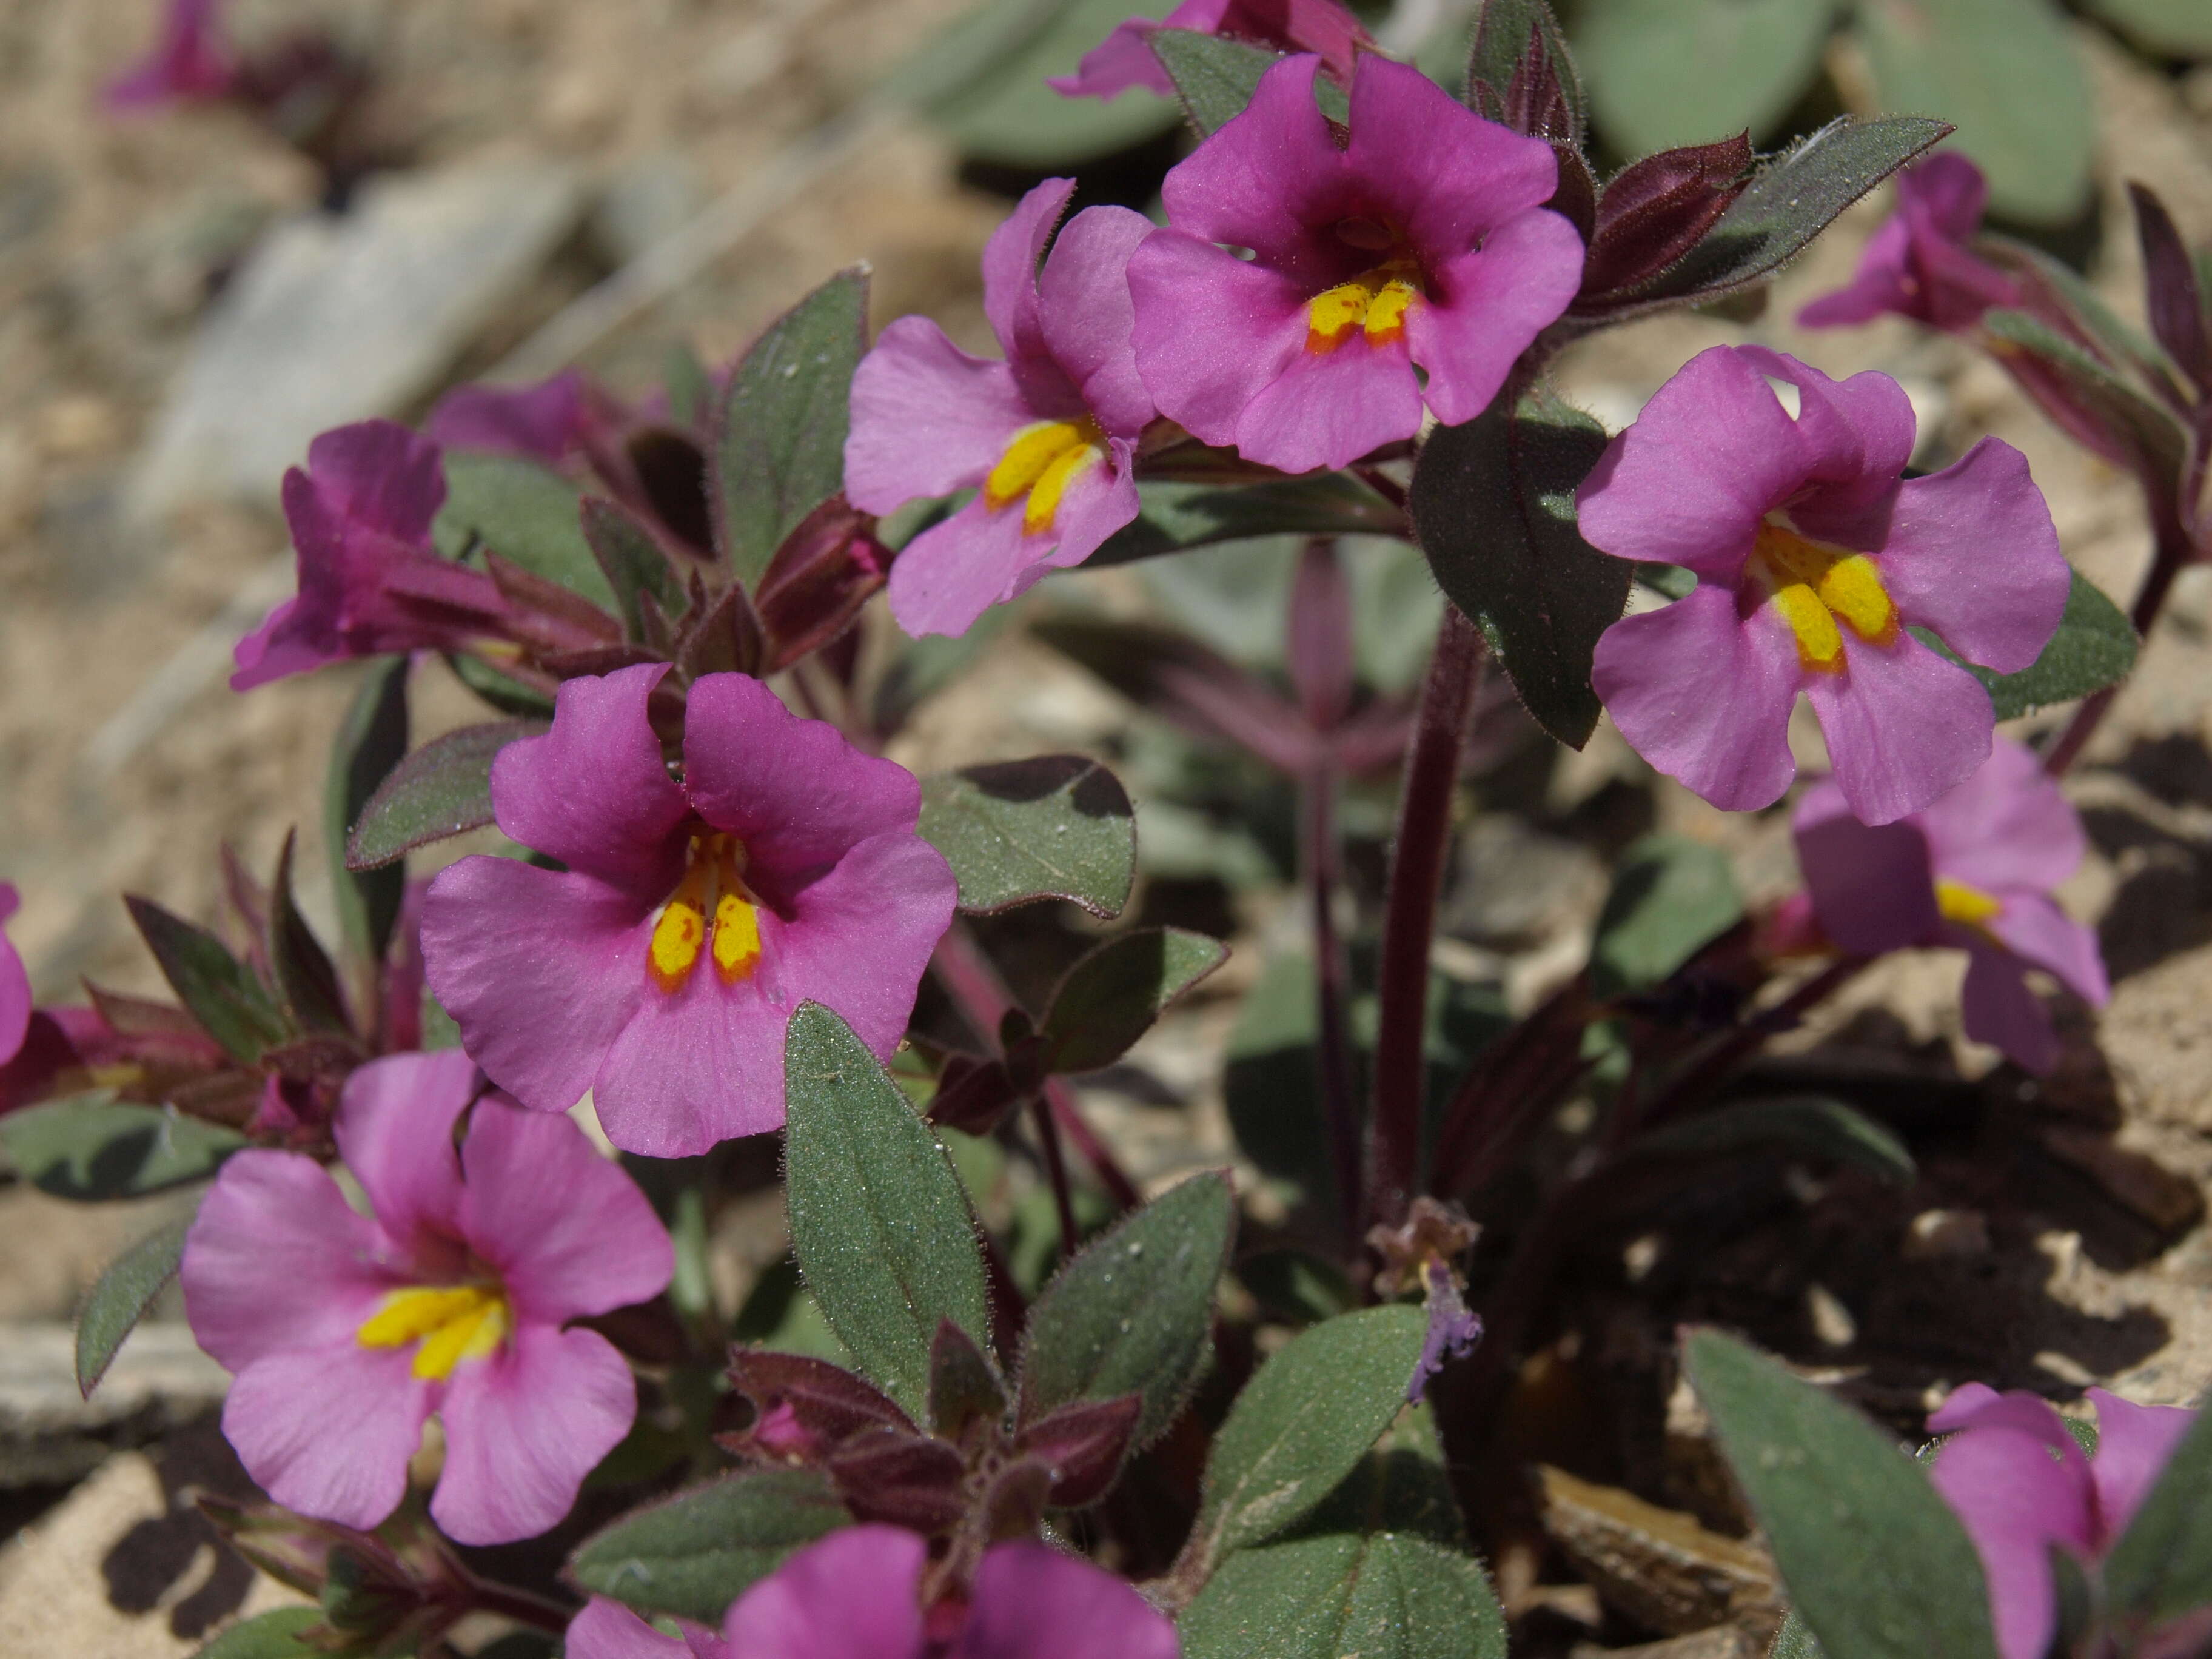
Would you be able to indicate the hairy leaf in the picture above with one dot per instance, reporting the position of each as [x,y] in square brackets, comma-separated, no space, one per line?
[632,563]
[1215,78]
[525,511]
[696,1552]
[306,980]
[1177,517]
[1058,826]
[120,1297]
[221,991]
[443,788]
[372,741]
[2094,647]
[280,1633]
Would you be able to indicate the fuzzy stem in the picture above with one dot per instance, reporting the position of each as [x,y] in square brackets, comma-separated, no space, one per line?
[1333,1052]
[1416,869]
[1055,1169]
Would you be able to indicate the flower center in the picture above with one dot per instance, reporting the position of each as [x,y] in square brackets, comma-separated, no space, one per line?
[712,911]
[1041,462]
[1814,587]
[1970,907]
[453,1323]
[1374,303]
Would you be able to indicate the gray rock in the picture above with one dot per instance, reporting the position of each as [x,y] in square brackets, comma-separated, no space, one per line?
[333,319]
[1517,886]
[644,203]
[50,1434]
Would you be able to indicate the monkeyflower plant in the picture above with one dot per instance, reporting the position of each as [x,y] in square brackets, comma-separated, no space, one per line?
[463,1165]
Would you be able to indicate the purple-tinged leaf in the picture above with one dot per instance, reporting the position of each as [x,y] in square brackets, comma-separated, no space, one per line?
[304,978]
[631,561]
[1655,210]
[973,1094]
[231,1005]
[1112,996]
[905,1480]
[1082,1445]
[827,568]
[722,635]
[826,1404]
[1521,73]
[2176,304]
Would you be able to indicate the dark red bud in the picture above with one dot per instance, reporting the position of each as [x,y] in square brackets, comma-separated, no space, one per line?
[807,1407]
[827,568]
[904,1480]
[1082,1446]
[1656,209]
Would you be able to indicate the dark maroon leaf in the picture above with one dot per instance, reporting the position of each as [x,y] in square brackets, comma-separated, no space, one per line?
[964,1390]
[305,979]
[901,1478]
[1655,210]
[721,636]
[822,1406]
[1082,1445]
[672,475]
[973,1094]
[1522,74]
[556,617]
[828,567]
[2176,304]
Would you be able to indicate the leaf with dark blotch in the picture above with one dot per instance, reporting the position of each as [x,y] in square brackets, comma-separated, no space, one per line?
[1493,507]
[372,742]
[1113,995]
[1214,78]
[901,1480]
[1133,1311]
[672,475]
[2177,306]
[722,637]
[1803,1123]
[878,1218]
[1057,826]
[632,562]
[525,511]
[1792,200]
[231,1005]
[1872,1557]
[119,1300]
[1520,60]
[443,788]
[2095,646]
[1303,1423]
[778,440]
[2161,1568]
[1654,211]
[693,1555]
[1177,516]
[1082,1447]
[93,1147]
[964,1389]
[827,1401]
[306,980]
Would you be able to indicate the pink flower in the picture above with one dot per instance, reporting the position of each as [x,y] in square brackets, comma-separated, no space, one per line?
[1423,240]
[369,580]
[1921,264]
[1124,58]
[1974,871]
[346,1332]
[1814,556]
[2019,1484]
[543,422]
[14,985]
[189,63]
[854,1595]
[1047,438]
[659,969]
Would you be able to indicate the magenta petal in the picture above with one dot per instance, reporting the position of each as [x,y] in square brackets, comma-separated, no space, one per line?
[1328,409]
[592,791]
[953,572]
[542,422]
[278,649]
[1266,179]
[928,418]
[2008,825]
[1033,1603]
[1490,304]
[1010,270]
[1212,330]
[1688,483]
[1902,726]
[696,1066]
[607,1630]
[381,476]
[1998,1007]
[14,986]
[850,1597]
[1882,283]
[2014,1502]
[1873,889]
[1948,190]
[2133,1444]
[568,1233]
[1972,555]
[275,1261]
[1704,695]
[1451,178]
[523,1429]
[2036,930]
[395,1131]
[1122,60]
[1861,428]
[794,790]
[1088,316]
[327,1431]
[541,971]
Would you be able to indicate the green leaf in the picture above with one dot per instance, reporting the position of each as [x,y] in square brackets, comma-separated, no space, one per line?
[1058,826]
[1873,1558]
[215,986]
[1112,996]
[119,1300]
[2161,1568]
[2094,648]
[1795,197]
[779,444]
[1793,1640]
[879,1219]
[1271,1081]
[1493,506]
[691,388]
[306,980]
[443,788]
[1133,1311]
[2005,73]
[2175,28]
[1810,1123]
[1303,1423]
[91,1147]
[780,1314]
[1177,517]
[279,1634]
[1670,897]
[369,744]
[1214,78]
[693,1555]
[1663,73]
[507,695]
[525,511]
[1501,41]
[1381,1571]
[632,563]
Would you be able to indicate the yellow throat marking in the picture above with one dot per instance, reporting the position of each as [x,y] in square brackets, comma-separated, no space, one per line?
[1374,303]
[1041,462]
[1814,587]
[713,885]
[1970,907]
[453,1323]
